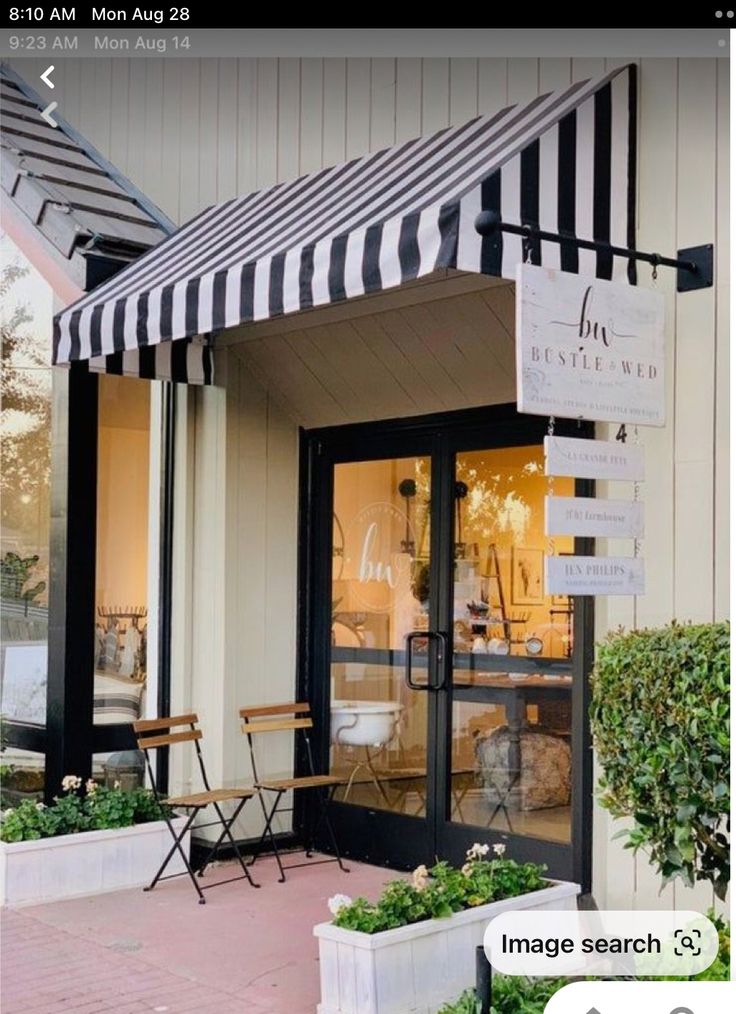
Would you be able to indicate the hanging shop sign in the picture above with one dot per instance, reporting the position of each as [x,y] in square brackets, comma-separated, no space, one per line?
[588,348]
[593,459]
[594,575]
[591,518]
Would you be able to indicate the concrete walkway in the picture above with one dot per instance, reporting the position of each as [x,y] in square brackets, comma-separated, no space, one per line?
[244,951]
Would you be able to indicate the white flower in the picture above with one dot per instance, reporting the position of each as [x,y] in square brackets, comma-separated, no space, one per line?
[90,786]
[70,783]
[420,877]
[499,848]
[337,902]
[40,806]
[116,784]
[467,870]
[477,851]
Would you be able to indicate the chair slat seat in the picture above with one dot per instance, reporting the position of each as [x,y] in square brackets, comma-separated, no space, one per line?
[198,799]
[303,782]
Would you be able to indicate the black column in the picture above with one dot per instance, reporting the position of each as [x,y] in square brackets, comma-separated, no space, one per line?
[69,706]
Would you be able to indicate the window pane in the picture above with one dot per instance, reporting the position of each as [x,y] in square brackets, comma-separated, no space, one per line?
[511,741]
[24,554]
[380,593]
[500,606]
[121,594]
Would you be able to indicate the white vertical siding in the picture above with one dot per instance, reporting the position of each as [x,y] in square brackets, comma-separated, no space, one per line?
[682,201]
[190,132]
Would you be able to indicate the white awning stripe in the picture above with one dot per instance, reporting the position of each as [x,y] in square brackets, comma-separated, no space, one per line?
[562,161]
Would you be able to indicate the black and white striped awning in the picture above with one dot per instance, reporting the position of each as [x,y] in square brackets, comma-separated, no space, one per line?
[565,161]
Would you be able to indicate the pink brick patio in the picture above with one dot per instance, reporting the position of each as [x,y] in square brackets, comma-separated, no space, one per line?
[133,953]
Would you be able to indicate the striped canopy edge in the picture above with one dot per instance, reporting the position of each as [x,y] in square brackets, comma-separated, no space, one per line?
[565,161]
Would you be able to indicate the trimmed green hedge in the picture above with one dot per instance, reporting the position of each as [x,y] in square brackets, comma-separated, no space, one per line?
[660,719]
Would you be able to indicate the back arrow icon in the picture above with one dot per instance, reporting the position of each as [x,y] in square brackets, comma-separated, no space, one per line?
[45,76]
[46,113]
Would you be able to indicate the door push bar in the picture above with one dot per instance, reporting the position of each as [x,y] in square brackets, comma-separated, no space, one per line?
[694,264]
[426,635]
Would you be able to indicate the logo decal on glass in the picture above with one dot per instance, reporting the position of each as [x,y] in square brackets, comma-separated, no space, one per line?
[376,566]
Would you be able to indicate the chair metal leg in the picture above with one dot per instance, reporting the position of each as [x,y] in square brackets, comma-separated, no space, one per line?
[264,833]
[178,846]
[325,801]
[268,833]
[226,832]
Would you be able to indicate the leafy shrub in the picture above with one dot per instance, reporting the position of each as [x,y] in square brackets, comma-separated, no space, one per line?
[438,892]
[98,809]
[510,995]
[660,718]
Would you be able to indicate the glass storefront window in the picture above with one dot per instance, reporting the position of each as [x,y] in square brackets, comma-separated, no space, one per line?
[25,429]
[380,592]
[121,594]
[511,736]
[500,607]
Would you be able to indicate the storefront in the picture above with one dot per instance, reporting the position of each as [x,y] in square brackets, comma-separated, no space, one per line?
[349,468]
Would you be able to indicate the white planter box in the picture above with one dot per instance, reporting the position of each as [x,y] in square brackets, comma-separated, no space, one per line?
[91,862]
[414,969]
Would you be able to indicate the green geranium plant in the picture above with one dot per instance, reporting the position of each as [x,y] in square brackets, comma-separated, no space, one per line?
[660,718]
[438,891]
[97,808]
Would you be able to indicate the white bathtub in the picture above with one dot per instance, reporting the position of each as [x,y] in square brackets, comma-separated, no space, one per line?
[364,723]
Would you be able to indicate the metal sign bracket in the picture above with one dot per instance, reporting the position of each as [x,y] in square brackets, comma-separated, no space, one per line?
[694,264]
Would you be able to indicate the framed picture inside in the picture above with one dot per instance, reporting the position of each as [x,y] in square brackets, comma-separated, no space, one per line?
[527,576]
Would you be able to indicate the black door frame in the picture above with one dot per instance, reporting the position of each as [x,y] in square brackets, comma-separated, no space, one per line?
[383,833]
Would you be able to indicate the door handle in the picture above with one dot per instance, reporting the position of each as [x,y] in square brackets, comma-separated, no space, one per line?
[427,635]
[441,639]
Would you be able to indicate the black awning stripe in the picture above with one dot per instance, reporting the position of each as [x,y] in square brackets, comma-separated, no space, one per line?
[602,178]
[567,136]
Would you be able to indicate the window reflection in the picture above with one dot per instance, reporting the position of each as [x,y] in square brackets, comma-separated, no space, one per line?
[500,607]
[25,321]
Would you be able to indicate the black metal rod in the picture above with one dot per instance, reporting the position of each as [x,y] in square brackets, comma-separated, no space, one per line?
[482,980]
[489,222]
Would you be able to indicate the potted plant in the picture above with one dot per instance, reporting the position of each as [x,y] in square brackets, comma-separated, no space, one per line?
[414,949]
[85,842]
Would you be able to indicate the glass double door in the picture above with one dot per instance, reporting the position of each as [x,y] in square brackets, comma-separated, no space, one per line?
[443,674]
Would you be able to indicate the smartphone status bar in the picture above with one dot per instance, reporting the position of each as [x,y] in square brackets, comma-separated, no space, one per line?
[212,16]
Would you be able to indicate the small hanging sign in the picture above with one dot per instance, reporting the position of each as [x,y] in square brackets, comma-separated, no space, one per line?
[587,348]
[589,517]
[593,459]
[594,575]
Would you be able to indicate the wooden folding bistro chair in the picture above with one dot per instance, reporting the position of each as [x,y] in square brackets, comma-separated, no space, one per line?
[280,718]
[155,733]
